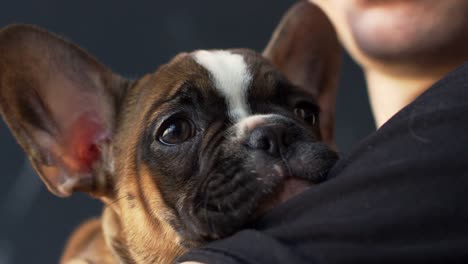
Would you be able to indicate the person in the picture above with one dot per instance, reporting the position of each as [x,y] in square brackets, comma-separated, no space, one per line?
[400,195]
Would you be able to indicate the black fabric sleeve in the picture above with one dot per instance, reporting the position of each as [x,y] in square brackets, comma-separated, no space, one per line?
[400,196]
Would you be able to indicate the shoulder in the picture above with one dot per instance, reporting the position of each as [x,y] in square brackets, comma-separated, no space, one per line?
[435,124]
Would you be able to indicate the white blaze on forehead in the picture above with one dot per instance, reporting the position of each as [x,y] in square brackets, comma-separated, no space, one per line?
[231,78]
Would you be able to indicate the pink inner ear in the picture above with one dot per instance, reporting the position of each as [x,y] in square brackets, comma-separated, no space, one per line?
[83,140]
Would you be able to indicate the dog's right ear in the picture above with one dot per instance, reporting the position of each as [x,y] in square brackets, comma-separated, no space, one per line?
[61,105]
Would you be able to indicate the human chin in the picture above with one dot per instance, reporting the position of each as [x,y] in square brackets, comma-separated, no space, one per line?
[406,30]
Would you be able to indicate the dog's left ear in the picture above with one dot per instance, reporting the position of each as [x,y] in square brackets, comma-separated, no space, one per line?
[61,105]
[304,48]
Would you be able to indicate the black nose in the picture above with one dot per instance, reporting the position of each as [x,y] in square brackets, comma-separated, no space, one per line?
[273,139]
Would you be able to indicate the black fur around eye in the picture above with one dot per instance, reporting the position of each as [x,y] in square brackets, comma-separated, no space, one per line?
[175,131]
[307,111]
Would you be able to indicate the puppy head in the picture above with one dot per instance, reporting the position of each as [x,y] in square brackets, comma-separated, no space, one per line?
[240,133]
[189,153]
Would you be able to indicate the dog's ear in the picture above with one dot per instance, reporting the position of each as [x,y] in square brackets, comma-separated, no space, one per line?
[61,105]
[304,47]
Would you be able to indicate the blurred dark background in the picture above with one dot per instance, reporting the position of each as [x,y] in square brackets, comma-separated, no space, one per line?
[133,38]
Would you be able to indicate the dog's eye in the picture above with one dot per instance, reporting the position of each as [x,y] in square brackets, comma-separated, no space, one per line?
[176,131]
[307,112]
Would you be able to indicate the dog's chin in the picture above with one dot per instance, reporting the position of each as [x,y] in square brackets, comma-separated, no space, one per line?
[286,190]
[212,225]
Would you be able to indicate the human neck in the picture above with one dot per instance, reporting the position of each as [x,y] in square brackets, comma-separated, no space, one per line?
[389,93]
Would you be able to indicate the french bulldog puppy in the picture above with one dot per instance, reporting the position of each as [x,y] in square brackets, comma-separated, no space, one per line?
[185,155]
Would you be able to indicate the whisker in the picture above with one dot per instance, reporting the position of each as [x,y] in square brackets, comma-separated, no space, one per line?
[118,199]
[286,164]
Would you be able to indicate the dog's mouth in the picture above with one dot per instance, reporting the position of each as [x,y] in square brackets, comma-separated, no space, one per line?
[295,178]
[226,202]
[287,189]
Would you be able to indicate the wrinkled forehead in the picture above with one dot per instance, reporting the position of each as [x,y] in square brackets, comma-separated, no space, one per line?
[235,75]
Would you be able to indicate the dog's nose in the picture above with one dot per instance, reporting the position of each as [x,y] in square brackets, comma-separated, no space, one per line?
[272,139]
